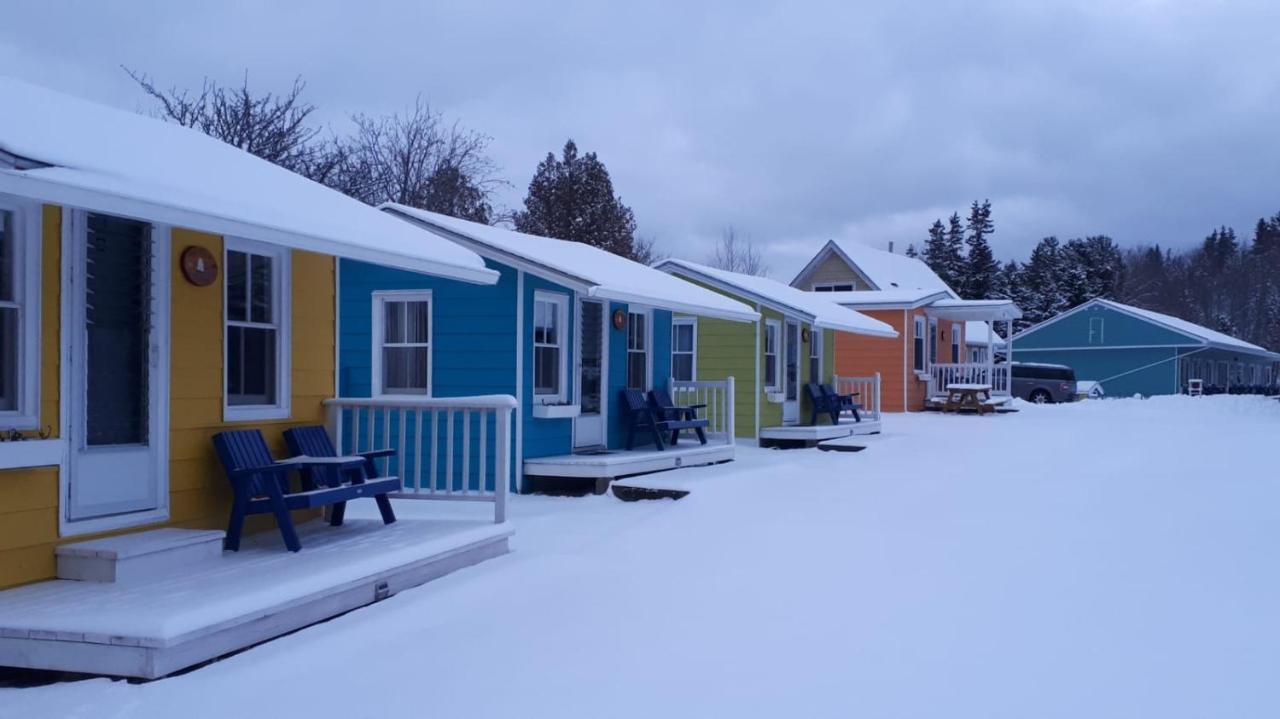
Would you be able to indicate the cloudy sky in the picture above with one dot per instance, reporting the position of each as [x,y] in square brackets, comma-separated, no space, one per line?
[1149,120]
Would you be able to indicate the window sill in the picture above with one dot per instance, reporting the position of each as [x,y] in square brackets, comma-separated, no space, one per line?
[32,453]
[254,414]
[775,396]
[556,411]
[923,376]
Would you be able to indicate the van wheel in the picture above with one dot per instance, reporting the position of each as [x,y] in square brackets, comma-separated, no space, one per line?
[1041,397]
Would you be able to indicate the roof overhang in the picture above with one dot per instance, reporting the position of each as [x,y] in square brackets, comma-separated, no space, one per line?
[684,270]
[155,210]
[575,282]
[982,310]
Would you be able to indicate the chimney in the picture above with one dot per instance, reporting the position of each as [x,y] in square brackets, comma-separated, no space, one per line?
[891,247]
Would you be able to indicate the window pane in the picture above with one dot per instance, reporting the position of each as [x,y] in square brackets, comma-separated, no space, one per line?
[683,341]
[552,323]
[419,316]
[682,367]
[393,329]
[405,370]
[771,370]
[261,294]
[8,359]
[638,332]
[251,366]
[546,370]
[636,370]
[237,283]
[117,331]
[6,256]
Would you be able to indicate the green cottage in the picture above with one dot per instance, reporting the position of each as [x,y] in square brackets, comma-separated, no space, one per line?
[772,359]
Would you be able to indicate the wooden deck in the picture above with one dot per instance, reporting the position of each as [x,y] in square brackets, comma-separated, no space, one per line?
[811,435]
[154,627]
[615,463]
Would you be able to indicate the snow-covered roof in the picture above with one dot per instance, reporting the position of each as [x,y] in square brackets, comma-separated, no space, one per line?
[954,309]
[812,306]
[979,333]
[883,299]
[589,269]
[65,150]
[1204,334]
[888,270]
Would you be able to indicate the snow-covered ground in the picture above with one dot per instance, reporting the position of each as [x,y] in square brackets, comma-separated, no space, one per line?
[1106,559]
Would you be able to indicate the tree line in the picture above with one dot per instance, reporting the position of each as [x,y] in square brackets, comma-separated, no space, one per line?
[1226,283]
[415,157]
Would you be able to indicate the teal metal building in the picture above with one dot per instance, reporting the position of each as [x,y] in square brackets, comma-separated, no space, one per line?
[1131,351]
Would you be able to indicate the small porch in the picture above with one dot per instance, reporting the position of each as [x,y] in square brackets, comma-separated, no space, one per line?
[995,376]
[866,391]
[594,469]
[157,622]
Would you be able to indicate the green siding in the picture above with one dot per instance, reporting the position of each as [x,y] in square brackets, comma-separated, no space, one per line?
[727,349]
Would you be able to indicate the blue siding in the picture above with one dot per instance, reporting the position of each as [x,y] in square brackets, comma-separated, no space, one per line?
[1118,330]
[1122,372]
[545,437]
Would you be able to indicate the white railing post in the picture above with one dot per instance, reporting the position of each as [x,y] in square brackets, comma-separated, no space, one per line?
[502,463]
[730,410]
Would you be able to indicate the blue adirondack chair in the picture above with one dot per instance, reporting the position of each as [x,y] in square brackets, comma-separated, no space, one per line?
[843,402]
[820,403]
[315,442]
[640,417]
[677,417]
[260,485]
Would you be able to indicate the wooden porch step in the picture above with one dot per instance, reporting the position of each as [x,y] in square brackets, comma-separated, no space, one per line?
[138,556]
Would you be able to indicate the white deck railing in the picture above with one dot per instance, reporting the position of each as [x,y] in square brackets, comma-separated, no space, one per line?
[942,375]
[456,448]
[717,395]
[867,389]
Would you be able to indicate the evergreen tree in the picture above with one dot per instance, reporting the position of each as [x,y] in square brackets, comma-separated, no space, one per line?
[1042,296]
[981,267]
[911,252]
[935,252]
[572,198]
[953,256]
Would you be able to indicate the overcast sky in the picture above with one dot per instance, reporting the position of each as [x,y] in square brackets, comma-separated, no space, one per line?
[1150,121]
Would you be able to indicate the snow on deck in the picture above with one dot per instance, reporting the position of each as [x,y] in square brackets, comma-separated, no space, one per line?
[1096,559]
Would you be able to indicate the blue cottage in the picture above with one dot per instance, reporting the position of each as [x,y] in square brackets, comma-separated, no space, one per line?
[565,330]
[1132,351]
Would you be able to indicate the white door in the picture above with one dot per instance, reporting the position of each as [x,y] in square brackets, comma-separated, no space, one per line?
[589,426]
[791,370]
[117,291]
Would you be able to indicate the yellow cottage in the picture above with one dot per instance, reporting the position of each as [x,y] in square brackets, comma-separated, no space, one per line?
[156,286]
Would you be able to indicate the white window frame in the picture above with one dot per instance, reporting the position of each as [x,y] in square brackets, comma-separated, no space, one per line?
[815,352]
[774,383]
[380,300]
[835,287]
[957,343]
[282,288]
[29,235]
[561,303]
[648,346]
[1101,328]
[692,323]
[931,358]
[918,335]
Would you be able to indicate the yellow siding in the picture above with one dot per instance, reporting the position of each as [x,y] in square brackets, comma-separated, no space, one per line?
[198,492]
[834,270]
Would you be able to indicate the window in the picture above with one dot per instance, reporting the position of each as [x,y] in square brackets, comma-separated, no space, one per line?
[815,355]
[956,335]
[833,288]
[1095,330]
[918,347]
[933,342]
[19,316]
[550,318]
[772,375]
[683,349]
[257,331]
[402,343]
[637,350]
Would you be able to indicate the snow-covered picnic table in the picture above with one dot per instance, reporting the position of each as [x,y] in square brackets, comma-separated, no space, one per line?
[962,396]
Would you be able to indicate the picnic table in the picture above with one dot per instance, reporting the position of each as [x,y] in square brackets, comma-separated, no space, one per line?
[962,396]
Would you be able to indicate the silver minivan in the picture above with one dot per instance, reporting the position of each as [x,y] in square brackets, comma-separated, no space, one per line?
[1043,383]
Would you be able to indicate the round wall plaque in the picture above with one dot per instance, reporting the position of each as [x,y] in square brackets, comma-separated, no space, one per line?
[619,319]
[804,334]
[198,266]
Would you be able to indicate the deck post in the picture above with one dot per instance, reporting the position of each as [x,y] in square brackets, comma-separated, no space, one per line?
[991,355]
[729,398]
[333,424]
[502,463]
